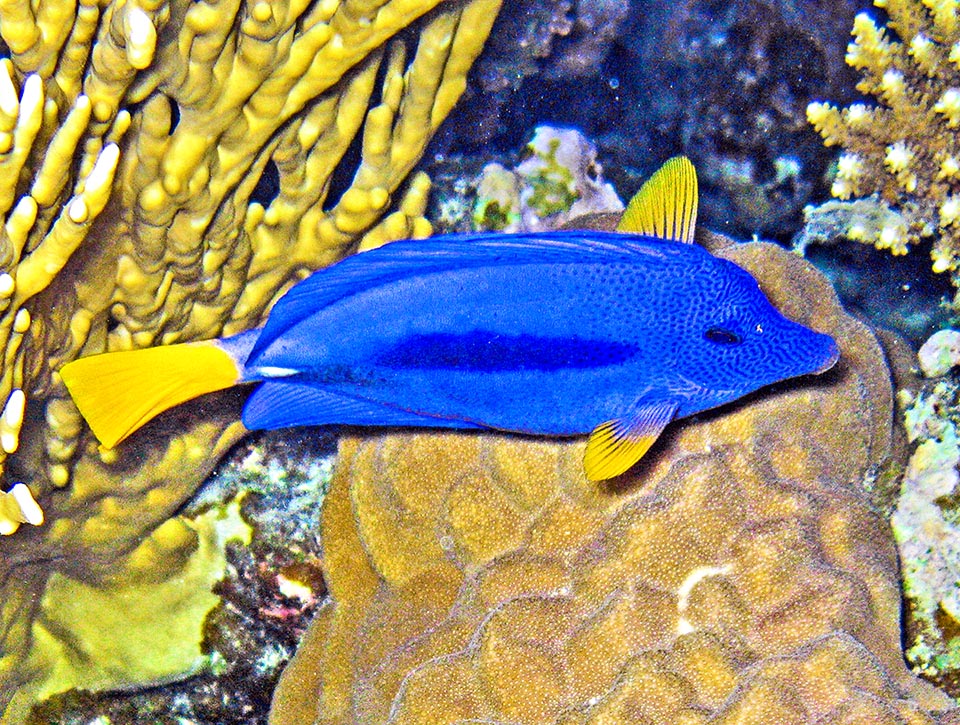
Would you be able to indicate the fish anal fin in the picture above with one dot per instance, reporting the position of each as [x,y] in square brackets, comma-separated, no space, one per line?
[666,205]
[616,445]
[118,392]
[279,404]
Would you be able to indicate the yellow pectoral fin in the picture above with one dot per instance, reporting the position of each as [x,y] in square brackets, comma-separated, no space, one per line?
[616,445]
[666,205]
[118,392]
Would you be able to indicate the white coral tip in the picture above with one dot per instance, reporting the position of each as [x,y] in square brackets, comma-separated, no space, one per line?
[950,210]
[892,82]
[849,166]
[892,237]
[817,112]
[921,47]
[141,37]
[32,97]
[863,23]
[857,231]
[949,168]
[941,265]
[21,321]
[103,168]
[32,513]
[898,156]
[857,114]
[11,420]
[841,188]
[949,106]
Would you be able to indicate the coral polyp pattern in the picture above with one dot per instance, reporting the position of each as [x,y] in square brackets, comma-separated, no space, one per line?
[903,146]
[732,577]
[166,171]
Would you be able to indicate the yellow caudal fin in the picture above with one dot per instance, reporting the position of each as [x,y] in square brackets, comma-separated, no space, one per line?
[666,205]
[118,392]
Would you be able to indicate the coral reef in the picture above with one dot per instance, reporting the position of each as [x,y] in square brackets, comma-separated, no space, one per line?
[553,178]
[558,180]
[550,39]
[940,353]
[725,83]
[925,521]
[897,293]
[169,168]
[268,597]
[738,574]
[742,76]
[557,39]
[904,149]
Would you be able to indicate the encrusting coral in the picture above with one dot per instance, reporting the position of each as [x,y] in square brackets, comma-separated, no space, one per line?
[558,180]
[737,575]
[906,148]
[924,523]
[166,171]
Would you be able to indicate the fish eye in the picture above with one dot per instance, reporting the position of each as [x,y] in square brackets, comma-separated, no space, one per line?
[721,336]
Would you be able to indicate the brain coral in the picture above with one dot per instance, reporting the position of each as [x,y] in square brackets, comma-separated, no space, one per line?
[738,575]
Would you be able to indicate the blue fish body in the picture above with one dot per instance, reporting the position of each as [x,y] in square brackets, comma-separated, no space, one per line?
[559,334]
[547,334]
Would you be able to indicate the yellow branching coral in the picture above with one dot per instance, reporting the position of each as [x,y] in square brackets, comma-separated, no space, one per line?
[136,137]
[906,149]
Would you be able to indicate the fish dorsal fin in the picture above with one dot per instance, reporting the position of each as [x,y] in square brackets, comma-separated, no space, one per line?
[614,446]
[666,205]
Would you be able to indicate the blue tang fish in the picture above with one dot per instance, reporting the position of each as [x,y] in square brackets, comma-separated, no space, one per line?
[566,333]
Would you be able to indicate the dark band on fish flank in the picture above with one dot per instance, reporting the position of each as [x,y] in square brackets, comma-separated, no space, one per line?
[484,351]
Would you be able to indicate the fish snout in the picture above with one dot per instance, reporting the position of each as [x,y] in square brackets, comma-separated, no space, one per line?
[810,352]
[827,353]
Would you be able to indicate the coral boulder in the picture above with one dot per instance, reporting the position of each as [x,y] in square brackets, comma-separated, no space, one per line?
[738,574]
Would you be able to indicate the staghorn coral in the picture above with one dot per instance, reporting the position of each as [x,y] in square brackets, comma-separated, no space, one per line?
[905,148]
[738,575]
[136,139]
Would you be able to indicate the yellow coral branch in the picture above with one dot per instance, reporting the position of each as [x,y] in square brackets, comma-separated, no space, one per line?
[40,267]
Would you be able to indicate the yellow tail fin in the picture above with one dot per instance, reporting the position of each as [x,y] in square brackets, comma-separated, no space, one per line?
[118,392]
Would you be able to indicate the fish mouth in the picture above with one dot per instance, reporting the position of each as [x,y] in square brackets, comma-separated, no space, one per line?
[831,355]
